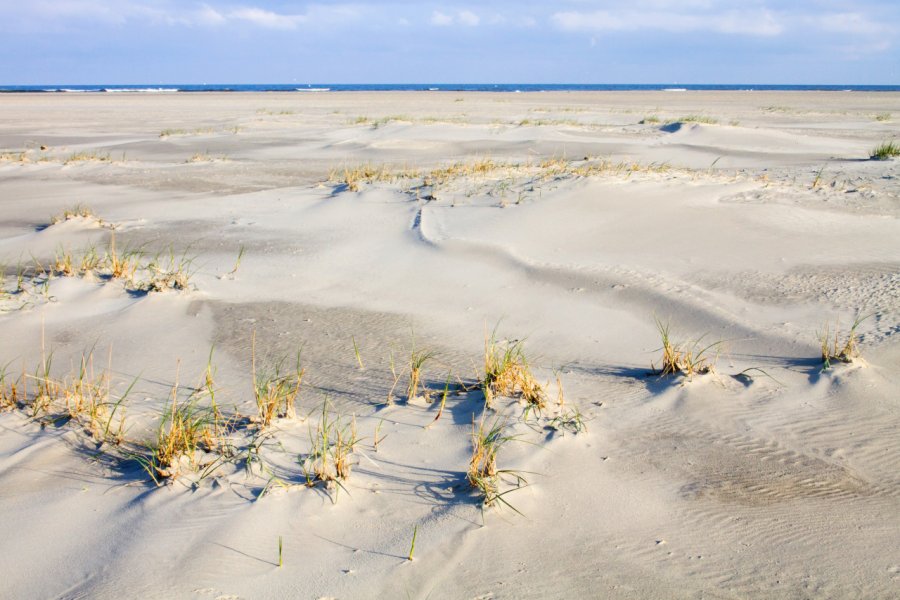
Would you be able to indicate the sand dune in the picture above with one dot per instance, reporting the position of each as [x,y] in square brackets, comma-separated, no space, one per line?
[749,222]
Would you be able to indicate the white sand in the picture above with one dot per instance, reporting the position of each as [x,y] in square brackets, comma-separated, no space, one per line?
[765,226]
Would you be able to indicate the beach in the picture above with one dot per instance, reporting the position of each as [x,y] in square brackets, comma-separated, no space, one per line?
[360,253]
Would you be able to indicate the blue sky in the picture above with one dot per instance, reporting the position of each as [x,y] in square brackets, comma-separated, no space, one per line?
[405,41]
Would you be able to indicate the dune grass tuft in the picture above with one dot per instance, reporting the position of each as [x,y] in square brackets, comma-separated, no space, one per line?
[80,157]
[417,360]
[885,151]
[275,392]
[188,428]
[836,347]
[687,358]
[78,211]
[11,392]
[703,119]
[330,458]
[507,373]
[120,265]
[167,271]
[171,132]
[19,157]
[354,177]
[482,473]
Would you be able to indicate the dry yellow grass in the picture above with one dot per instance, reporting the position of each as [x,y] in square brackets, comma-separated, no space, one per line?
[77,211]
[80,157]
[835,347]
[507,173]
[506,373]
[19,157]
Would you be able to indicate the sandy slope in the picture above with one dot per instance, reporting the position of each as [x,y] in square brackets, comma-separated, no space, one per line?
[755,230]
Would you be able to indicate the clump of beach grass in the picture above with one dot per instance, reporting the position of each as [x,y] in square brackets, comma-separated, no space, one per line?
[480,167]
[482,473]
[93,156]
[168,272]
[703,119]
[330,458]
[187,427]
[87,400]
[122,265]
[11,392]
[275,392]
[63,265]
[19,157]
[354,177]
[89,261]
[417,360]
[170,132]
[838,347]
[204,157]
[885,151]
[686,358]
[78,211]
[507,373]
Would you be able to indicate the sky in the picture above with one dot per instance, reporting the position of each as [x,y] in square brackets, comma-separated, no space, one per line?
[491,41]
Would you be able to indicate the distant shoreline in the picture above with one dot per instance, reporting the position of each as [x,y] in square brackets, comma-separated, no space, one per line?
[435,87]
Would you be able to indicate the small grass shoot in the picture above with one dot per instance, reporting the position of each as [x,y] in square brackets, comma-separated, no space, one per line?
[412,547]
[417,360]
[444,394]
[568,419]
[356,352]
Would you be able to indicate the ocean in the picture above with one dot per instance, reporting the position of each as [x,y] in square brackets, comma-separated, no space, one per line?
[433,87]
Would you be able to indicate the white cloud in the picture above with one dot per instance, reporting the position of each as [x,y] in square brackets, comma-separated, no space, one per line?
[207,15]
[440,19]
[62,13]
[468,18]
[464,17]
[758,22]
[850,23]
[268,19]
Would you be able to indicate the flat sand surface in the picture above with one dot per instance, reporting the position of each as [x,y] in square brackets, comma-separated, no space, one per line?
[364,228]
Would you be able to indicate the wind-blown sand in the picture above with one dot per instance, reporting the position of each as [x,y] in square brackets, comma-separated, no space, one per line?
[582,227]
